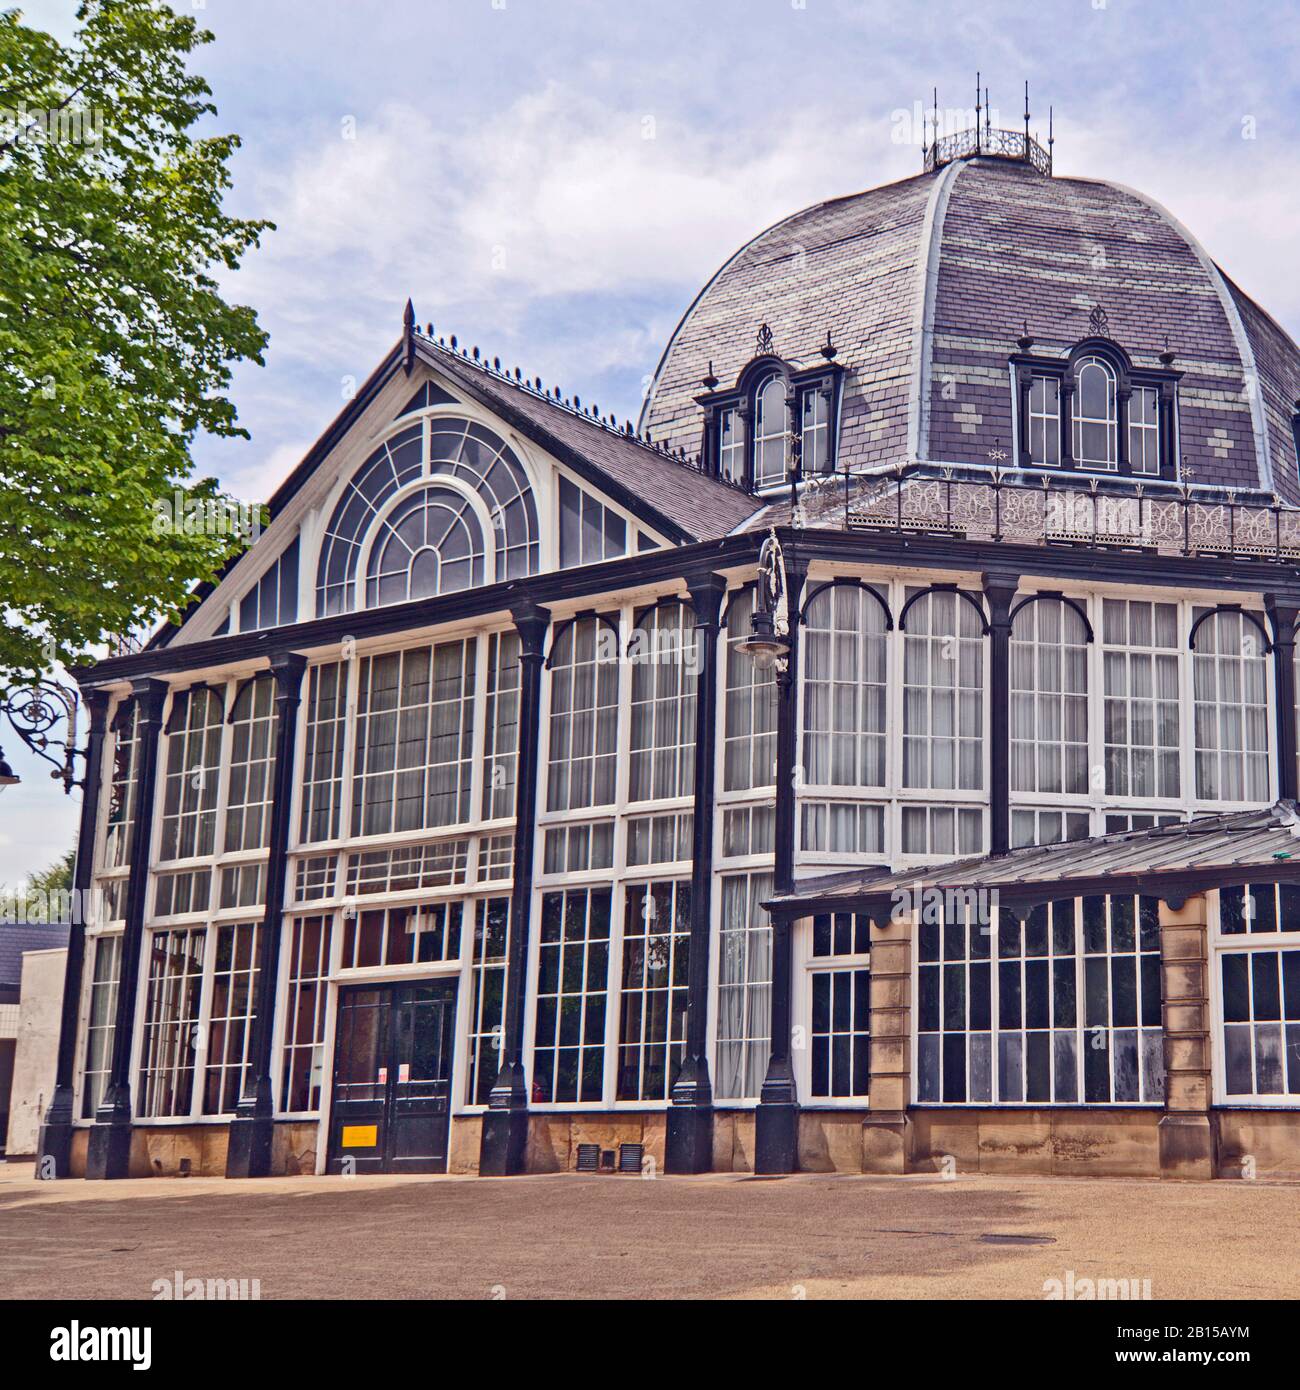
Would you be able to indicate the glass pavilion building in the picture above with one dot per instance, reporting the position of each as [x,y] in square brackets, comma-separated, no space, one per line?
[881,756]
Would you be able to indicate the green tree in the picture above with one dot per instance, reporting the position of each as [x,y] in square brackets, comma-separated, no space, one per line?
[116,348]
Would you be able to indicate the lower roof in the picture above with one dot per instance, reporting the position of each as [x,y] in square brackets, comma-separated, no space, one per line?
[1261,845]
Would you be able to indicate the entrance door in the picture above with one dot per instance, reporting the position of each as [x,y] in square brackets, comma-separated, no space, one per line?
[392,1077]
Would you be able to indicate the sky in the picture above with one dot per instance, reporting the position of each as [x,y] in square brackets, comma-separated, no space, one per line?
[554,180]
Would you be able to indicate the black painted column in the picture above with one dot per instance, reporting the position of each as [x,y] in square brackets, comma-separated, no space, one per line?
[248,1154]
[1000,591]
[109,1154]
[503,1148]
[689,1144]
[776,1125]
[1283,611]
[54,1145]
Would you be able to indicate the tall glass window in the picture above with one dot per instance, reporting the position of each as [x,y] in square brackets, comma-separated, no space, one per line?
[572,984]
[1049,699]
[744,987]
[100,1022]
[170,1027]
[1144,430]
[322,790]
[189,821]
[501,750]
[652,1016]
[943,694]
[845,657]
[230,1016]
[663,653]
[814,455]
[749,758]
[487,1004]
[731,447]
[415,712]
[307,990]
[1140,714]
[584,716]
[1230,679]
[248,798]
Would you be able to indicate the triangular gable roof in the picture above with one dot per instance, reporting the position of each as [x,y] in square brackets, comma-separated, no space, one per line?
[670,496]
[673,497]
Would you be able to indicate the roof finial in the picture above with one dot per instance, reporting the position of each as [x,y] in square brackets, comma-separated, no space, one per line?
[988,114]
[408,337]
[1026,116]
[829,349]
[710,381]
[977,111]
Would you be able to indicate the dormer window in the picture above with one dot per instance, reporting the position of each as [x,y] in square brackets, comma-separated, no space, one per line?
[771,426]
[1045,422]
[1094,411]
[1144,430]
[1096,418]
[748,428]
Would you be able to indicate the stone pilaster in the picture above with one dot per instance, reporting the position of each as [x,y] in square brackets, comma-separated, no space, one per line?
[1186,1134]
[886,1132]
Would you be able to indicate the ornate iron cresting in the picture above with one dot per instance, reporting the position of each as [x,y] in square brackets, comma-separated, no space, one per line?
[1076,511]
[37,710]
[992,144]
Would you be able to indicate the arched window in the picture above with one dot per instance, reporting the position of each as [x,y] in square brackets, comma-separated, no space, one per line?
[749,758]
[584,716]
[664,657]
[1230,681]
[248,797]
[1096,419]
[943,694]
[189,821]
[771,425]
[1049,698]
[430,543]
[457,449]
[844,654]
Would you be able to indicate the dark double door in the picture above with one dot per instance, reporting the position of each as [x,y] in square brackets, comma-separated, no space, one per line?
[391,1111]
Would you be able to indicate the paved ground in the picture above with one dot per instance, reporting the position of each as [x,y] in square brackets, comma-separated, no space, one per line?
[721,1236]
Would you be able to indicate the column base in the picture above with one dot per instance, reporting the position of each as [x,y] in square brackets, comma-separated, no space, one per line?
[776,1137]
[109,1152]
[1186,1146]
[688,1145]
[54,1142]
[503,1147]
[887,1142]
[248,1152]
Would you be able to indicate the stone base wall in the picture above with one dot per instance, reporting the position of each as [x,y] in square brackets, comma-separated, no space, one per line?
[1257,1143]
[199,1151]
[553,1139]
[1068,1143]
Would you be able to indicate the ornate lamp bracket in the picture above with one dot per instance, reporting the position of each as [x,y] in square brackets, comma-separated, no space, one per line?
[43,714]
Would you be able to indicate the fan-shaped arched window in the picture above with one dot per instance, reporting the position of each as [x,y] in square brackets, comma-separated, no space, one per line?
[1230,680]
[771,426]
[664,669]
[1096,417]
[844,653]
[430,543]
[438,546]
[1049,698]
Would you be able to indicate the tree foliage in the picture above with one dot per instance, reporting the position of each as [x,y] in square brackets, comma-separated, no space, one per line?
[116,346]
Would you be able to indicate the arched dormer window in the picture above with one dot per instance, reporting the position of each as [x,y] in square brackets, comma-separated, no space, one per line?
[1094,410]
[750,428]
[1096,415]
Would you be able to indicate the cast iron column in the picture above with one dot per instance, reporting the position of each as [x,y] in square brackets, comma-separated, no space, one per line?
[248,1154]
[1283,610]
[503,1148]
[1000,591]
[776,1123]
[54,1144]
[109,1154]
[689,1144]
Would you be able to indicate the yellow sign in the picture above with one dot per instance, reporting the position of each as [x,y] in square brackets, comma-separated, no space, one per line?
[360,1136]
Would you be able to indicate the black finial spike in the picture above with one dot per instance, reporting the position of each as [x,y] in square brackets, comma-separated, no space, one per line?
[710,381]
[577,402]
[476,354]
[496,364]
[519,376]
[453,342]
[408,316]
[988,113]
[829,349]
[408,336]
[428,330]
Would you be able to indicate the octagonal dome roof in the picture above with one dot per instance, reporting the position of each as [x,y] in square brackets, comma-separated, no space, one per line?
[925,285]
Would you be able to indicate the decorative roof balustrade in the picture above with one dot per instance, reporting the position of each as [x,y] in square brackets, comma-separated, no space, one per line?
[990,143]
[1065,511]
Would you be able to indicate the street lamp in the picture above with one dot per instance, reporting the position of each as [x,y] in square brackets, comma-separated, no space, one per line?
[38,712]
[769,624]
[8,777]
